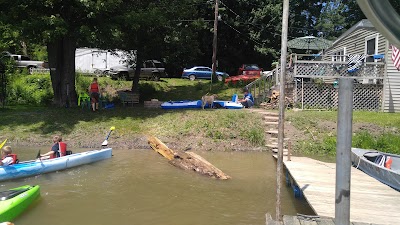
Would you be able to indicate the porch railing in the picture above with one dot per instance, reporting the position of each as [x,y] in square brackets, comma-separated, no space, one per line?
[261,87]
[308,75]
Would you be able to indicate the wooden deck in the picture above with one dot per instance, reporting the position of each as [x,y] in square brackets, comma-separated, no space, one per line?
[305,220]
[370,200]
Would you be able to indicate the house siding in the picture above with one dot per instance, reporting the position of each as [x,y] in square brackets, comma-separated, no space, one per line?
[392,86]
[355,42]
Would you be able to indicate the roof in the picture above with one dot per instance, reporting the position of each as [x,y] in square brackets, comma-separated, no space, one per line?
[361,24]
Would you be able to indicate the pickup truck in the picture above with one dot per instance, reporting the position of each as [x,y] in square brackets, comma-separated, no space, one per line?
[22,61]
[151,70]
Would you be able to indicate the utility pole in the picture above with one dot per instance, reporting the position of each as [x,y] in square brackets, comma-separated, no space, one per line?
[281,121]
[214,57]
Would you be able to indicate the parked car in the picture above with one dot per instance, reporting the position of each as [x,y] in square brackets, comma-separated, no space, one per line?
[23,61]
[247,72]
[250,69]
[151,70]
[202,72]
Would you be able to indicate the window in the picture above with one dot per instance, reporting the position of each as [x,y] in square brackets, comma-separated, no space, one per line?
[339,55]
[371,47]
[148,64]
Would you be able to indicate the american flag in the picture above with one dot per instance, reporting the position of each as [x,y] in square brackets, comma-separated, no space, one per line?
[396,57]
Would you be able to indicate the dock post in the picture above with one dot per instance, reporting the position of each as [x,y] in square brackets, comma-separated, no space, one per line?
[343,152]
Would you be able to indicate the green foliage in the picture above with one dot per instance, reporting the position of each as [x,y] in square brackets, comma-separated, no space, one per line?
[255,136]
[325,145]
[386,142]
[33,90]
[82,83]
[319,138]
[39,52]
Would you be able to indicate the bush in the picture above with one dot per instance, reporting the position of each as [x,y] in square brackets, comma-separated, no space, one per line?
[33,89]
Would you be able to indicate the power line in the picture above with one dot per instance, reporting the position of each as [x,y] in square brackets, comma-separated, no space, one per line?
[250,38]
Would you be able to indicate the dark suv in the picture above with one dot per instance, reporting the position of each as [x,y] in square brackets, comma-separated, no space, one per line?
[151,70]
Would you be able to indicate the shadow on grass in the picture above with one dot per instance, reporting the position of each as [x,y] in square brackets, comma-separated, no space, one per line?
[48,120]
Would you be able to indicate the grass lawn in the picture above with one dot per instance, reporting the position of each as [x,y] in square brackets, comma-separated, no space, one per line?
[314,132]
[199,129]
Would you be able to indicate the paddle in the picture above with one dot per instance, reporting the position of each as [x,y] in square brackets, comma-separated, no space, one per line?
[38,155]
[3,143]
[105,142]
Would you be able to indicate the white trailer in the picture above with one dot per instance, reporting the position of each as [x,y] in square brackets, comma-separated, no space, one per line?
[93,60]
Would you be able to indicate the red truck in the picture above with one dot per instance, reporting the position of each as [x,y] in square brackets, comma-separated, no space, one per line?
[247,72]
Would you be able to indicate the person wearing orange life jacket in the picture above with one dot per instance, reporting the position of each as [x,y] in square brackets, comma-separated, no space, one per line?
[94,93]
[58,149]
[7,157]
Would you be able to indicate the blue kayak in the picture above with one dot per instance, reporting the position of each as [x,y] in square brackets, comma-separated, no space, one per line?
[36,167]
[186,104]
[189,104]
[227,105]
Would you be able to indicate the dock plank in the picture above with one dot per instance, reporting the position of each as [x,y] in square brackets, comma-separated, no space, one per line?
[370,200]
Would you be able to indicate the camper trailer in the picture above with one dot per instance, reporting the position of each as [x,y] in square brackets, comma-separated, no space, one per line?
[98,61]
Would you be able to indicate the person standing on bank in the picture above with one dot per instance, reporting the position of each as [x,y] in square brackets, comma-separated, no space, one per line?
[94,92]
[248,100]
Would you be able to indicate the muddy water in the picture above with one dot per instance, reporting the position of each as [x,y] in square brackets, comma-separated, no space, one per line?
[140,187]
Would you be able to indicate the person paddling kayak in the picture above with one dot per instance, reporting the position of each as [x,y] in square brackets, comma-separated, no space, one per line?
[58,149]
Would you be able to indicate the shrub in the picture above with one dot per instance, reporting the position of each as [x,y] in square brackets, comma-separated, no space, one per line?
[33,89]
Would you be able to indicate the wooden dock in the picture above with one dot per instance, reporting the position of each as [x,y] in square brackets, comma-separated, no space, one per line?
[371,201]
[306,220]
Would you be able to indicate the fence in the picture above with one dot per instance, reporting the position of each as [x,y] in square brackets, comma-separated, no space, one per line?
[312,82]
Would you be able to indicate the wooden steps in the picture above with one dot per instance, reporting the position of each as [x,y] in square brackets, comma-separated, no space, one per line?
[272,131]
[275,152]
[276,139]
[273,118]
[271,122]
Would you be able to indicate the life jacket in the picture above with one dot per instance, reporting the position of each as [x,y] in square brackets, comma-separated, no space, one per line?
[14,157]
[388,163]
[62,150]
[94,87]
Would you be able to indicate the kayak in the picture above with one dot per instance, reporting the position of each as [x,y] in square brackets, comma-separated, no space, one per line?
[14,201]
[185,104]
[382,166]
[227,105]
[188,104]
[36,167]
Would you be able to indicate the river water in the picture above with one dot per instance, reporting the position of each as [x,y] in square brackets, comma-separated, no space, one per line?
[141,187]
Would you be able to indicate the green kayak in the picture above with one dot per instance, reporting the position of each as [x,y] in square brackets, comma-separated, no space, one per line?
[14,201]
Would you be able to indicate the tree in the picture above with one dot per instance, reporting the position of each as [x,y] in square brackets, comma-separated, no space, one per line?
[60,25]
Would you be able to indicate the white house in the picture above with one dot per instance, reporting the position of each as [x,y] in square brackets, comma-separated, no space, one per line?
[363,38]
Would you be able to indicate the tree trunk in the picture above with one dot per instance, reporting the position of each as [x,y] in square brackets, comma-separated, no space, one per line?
[61,53]
[187,160]
[55,62]
[139,62]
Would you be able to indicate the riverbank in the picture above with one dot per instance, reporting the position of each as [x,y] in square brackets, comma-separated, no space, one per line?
[220,130]
[313,133]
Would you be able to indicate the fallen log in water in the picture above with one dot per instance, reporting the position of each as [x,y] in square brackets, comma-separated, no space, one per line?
[187,160]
